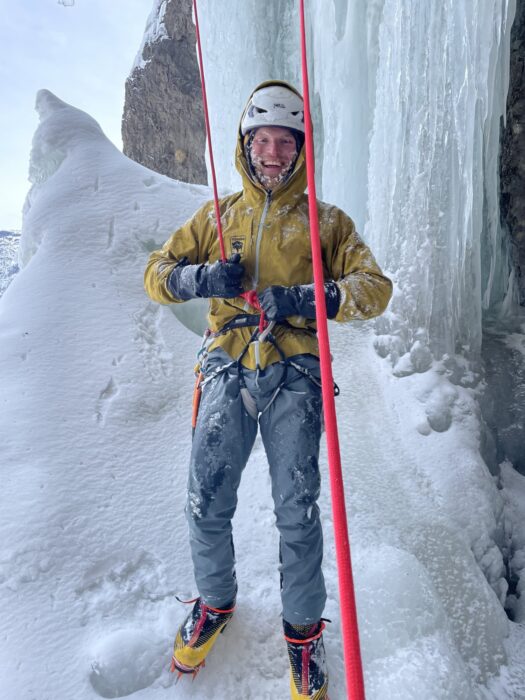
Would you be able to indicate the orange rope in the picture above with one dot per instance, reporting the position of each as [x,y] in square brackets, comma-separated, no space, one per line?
[197,392]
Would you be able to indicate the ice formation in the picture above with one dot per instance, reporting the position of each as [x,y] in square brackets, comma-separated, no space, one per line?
[408,98]
[8,257]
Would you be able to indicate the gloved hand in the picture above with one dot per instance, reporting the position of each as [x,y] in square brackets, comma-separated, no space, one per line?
[220,279]
[279,302]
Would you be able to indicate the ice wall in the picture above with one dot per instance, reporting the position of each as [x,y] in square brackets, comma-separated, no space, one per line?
[408,98]
[254,43]
[433,203]
[67,136]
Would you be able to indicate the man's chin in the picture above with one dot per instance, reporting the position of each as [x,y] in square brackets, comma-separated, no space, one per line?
[269,181]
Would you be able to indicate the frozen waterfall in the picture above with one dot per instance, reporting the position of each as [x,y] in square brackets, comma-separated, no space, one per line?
[408,98]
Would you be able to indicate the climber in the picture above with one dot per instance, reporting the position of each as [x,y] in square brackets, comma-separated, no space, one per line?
[271,383]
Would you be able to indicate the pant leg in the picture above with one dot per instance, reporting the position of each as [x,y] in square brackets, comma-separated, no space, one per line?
[222,443]
[291,431]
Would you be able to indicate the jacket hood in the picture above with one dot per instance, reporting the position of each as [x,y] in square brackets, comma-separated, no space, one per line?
[296,180]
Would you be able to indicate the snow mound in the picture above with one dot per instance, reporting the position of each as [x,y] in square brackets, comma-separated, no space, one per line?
[125,662]
[95,380]
[75,168]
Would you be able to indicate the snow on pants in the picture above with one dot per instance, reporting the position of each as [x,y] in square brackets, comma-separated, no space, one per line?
[224,436]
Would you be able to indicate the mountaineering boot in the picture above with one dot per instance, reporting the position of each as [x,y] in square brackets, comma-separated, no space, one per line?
[308,674]
[196,636]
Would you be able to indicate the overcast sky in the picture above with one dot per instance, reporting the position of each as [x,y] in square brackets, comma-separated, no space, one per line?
[82,53]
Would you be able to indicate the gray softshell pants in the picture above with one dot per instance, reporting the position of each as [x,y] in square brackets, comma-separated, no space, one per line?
[224,436]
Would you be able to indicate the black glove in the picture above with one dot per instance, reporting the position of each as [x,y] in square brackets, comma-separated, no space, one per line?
[220,279]
[280,302]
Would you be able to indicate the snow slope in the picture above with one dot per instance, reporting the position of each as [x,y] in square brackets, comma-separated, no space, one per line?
[95,388]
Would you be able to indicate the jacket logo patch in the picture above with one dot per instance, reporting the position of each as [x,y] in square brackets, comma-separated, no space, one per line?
[237,244]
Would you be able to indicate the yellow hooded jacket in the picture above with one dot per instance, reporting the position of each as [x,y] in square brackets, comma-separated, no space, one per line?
[271,232]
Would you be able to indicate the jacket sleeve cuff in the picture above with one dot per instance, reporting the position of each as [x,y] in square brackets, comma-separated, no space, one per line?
[182,281]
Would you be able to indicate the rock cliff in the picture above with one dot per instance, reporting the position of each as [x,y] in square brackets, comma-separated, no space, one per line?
[163,123]
[512,172]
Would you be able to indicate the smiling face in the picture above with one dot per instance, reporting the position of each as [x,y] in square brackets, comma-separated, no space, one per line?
[273,152]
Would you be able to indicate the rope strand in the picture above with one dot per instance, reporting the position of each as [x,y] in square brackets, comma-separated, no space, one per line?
[251,296]
[208,135]
[351,648]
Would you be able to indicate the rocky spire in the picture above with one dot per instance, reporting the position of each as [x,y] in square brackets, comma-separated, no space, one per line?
[163,122]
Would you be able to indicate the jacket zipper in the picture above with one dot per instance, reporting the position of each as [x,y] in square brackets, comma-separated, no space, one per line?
[259,236]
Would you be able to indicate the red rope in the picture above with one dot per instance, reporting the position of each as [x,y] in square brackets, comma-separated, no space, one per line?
[250,296]
[351,648]
[208,135]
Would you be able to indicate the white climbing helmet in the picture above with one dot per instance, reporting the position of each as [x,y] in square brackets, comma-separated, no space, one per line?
[275,105]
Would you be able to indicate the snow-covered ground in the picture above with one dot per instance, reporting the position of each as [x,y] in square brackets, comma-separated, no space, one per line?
[96,388]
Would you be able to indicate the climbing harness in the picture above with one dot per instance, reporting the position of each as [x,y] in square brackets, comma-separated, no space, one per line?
[249,321]
[237,366]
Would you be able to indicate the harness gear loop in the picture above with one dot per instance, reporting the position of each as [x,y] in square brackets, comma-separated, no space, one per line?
[352,654]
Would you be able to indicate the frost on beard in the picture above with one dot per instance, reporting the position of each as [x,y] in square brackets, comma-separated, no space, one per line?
[271,182]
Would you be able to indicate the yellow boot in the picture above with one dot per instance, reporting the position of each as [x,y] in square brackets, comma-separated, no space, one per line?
[308,674]
[197,635]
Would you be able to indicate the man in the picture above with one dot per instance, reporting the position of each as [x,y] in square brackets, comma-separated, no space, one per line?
[269,382]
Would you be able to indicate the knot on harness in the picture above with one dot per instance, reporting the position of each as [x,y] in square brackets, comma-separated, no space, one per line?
[252,299]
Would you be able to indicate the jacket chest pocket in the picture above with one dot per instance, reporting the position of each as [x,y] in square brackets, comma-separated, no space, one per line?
[238,238]
[286,255]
